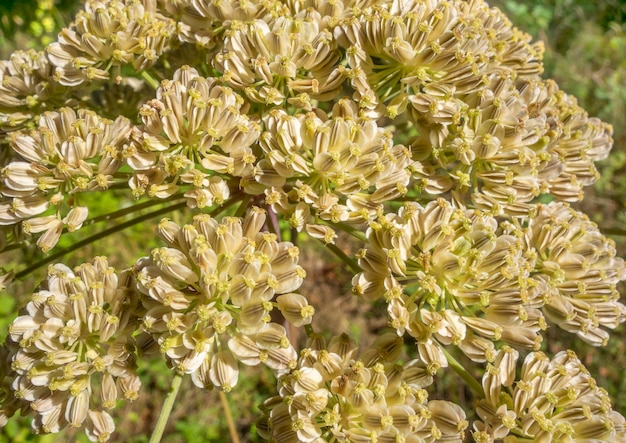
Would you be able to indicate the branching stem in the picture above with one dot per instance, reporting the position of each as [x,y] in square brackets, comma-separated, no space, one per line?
[129,210]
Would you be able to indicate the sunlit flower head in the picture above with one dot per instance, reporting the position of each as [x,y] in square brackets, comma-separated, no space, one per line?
[334,394]
[109,33]
[27,88]
[551,400]
[506,145]
[73,340]
[448,274]
[400,50]
[194,129]
[282,60]
[70,152]
[208,294]
[580,268]
[342,168]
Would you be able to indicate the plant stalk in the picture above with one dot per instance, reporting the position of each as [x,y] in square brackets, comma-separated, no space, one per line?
[466,376]
[129,210]
[350,262]
[232,430]
[100,235]
[166,409]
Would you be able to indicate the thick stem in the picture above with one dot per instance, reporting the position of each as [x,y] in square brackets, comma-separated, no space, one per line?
[459,369]
[309,330]
[166,409]
[232,430]
[243,207]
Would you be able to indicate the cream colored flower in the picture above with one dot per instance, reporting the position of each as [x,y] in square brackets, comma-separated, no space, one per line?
[343,168]
[552,400]
[208,295]
[331,395]
[580,268]
[75,336]
[109,33]
[203,22]
[503,146]
[400,50]
[446,271]
[295,308]
[70,152]
[27,88]
[273,61]
[193,130]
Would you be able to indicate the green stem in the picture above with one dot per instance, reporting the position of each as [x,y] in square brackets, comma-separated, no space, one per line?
[100,235]
[108,217]
[131,209]
[166,409]
[352,263]
[354,232]
[243,207]
[459,369]
[149,79]
[614,231]
[13,246]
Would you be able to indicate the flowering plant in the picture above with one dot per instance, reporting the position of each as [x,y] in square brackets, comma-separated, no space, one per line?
[420,130]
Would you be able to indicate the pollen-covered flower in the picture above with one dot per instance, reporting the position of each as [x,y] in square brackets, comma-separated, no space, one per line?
[342,167]
[552,400]
[580,268]
[73,340]
[208,294]
[448,274]
[335,395]
[281,60]
[70,152]
[109,33]
[27,88]
[203,22]
[581,141]
[505,145]
[399,50]
[194,129]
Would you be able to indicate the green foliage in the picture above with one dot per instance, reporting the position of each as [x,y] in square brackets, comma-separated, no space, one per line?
[32,23]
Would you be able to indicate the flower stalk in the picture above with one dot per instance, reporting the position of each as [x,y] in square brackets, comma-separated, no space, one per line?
[166,408]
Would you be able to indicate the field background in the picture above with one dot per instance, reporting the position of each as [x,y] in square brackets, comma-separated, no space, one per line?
[585,53]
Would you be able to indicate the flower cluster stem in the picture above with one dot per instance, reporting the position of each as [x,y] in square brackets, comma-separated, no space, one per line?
[100,235]
[352,263]
[166,409]
[466,376]
[232,430]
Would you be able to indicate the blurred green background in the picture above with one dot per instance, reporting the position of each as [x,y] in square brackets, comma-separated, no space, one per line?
[585,53]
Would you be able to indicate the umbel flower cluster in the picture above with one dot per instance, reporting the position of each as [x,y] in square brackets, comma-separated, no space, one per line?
[420,132]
